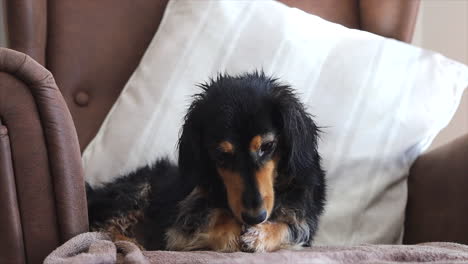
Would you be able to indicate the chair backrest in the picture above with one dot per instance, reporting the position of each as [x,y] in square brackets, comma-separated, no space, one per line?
[92,47]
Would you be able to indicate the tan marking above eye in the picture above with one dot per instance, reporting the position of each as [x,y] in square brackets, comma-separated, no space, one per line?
[255,143]
[226,146]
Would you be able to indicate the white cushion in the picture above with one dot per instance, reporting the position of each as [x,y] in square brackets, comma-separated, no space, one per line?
[380,102]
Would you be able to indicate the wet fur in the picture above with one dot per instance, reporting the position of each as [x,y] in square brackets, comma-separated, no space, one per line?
[185,207]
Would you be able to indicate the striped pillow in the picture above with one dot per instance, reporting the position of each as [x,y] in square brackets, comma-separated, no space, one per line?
[380,102]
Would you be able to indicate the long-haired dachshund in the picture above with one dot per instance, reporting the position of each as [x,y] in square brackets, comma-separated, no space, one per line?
[249,176]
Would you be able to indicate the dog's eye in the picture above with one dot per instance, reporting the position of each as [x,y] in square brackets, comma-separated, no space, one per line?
[266,148]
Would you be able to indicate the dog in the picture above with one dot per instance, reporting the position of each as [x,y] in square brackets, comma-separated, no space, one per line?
[249,176]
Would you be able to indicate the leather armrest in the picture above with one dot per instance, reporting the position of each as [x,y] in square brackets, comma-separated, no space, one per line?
[41,175]
[437,208]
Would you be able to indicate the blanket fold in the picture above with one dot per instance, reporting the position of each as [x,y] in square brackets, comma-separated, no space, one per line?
[97,248]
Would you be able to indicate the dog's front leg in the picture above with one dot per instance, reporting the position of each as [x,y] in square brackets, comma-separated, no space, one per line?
[266,237]
[199,226]
[224,232]
[221,232]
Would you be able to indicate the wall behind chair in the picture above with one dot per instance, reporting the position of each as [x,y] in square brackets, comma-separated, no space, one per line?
[442,26]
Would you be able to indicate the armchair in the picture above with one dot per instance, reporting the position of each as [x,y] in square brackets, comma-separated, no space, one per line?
[43,128]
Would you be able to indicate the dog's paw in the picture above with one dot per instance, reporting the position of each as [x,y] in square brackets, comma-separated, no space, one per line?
[264,237]
[253,240]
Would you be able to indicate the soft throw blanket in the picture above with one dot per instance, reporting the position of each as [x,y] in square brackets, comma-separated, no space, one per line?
[96,248]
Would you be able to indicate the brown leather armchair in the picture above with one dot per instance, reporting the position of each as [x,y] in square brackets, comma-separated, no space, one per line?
[91,49]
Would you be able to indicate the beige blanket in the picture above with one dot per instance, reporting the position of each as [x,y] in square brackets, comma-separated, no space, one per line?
[97,248]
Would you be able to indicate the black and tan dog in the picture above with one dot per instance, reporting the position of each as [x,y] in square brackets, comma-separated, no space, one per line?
[249,176]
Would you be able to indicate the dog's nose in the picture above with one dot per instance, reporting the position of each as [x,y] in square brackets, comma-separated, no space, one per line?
[253,219]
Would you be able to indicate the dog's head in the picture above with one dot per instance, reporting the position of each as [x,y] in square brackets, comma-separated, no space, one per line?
[249,136]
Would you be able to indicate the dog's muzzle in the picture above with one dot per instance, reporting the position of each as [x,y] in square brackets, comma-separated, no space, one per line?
[253,219]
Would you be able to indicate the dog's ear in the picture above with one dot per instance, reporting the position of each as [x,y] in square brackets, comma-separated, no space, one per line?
[299,158]
[191,163]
